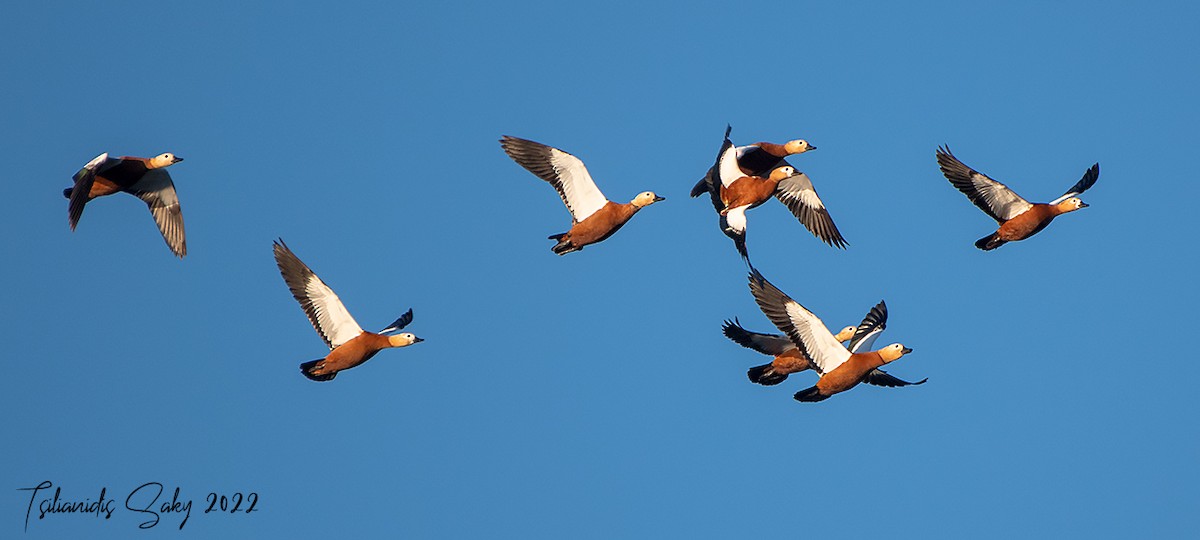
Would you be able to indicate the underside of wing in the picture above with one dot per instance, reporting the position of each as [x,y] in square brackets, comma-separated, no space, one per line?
[873,324]
[755,161]
[879,377]
[323,308]
[727,164]
[564,171]
[994,198]
[83,187]
[1082,185]
[805,329]
[158,192]
[769,344]
[798,194]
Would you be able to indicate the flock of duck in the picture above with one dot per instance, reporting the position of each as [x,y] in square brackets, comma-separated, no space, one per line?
[742,178]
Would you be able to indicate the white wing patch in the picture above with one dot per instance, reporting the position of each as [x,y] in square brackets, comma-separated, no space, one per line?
[736,219]
[728,169]
[582,196]
[331,318]
[824,350]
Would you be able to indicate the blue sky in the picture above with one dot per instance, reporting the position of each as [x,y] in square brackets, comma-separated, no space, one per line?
[592,395]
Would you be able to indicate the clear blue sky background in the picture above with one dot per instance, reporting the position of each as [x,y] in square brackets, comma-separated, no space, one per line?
[592,395]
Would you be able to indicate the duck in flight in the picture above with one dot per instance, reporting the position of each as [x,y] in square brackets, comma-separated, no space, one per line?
[349,344]
[595,217]
[789,359]
[144,178]
[1018,218]
[840,368]
[733,192]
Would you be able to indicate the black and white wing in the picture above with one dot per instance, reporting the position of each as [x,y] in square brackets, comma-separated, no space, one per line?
[323,308]
[994,198]
[805,330]
[798,194]
[869,329]
[158,191]
[565,172]
[83,187]
[1082,185]
[769,344]
[400,323]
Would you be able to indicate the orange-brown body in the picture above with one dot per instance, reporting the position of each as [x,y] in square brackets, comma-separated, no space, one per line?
[1028,223]
[749,191]
[600,225]
[351,353]
[849,374]
[791,361]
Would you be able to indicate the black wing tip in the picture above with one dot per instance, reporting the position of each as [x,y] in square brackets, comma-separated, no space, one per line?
[809,395]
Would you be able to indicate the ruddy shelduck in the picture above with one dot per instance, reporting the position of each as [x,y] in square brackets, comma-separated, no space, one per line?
[144,178]
[595,217]
[348,343]
[789,359]
[757,159]
[1019,219]
[735,193]
[840,368]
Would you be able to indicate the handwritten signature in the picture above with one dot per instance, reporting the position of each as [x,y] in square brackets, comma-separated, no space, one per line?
[142,500]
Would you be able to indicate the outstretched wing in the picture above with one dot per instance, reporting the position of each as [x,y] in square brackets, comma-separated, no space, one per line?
[770,344]
[83,187]
[1082,185]
[804,329]
[869,329]
[797,193]
[994,198]
[158,192]
[323,308]
[879,377]
[565,172]
[400,323]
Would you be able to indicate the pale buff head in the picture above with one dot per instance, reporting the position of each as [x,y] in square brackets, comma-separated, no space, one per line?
[893,352]
[846,333]
[645,198]
[1071,205]
[403,340]
[163,160]
[782,172]
[798,146]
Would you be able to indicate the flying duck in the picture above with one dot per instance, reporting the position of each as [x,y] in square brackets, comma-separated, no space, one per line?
[595,217]
[144,178]
[840,368]
[737,192]
[349,344]
[789,360]
[1019,219]
[757,159]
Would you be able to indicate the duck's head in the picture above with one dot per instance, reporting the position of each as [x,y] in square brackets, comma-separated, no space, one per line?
[846,333]
[782,172]
[646,198]
[1071,205]
[893,352]
[798,146]
[163,160]
[403,340]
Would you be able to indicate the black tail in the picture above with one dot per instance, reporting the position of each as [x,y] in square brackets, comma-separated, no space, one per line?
[990,242]
[564,245]
[765,375]
[810,395]
[67,193]
[305,367]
